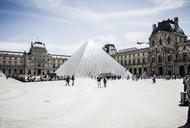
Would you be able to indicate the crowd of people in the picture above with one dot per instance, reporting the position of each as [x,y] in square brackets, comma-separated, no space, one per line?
[103,78]
[31,78]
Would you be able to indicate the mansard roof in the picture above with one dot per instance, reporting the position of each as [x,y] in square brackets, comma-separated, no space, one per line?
[168,26]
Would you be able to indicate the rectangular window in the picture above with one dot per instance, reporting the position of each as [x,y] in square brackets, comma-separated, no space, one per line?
[178,39]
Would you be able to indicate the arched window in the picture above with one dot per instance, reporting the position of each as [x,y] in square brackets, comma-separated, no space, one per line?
[20,71]
[15,71]
[135,71]
[130,70]
[140,71]
[4,71]
[9,71]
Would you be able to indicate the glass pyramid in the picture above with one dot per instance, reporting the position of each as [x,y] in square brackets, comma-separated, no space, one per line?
[91,60]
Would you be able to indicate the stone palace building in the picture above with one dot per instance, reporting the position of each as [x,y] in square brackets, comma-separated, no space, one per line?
[36,62]
[168,52]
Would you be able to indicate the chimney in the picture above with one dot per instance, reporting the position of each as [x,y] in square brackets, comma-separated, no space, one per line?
[153,26]
[31,44]
[176,21]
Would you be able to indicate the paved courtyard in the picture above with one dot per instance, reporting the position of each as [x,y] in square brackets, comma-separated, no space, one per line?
[123,104]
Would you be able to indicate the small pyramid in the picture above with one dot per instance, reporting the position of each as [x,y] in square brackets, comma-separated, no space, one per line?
[2,74]
[91,60]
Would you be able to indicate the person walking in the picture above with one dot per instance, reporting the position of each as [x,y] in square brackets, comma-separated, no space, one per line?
[67,81]
[99,81]
[105,81]
[73,80]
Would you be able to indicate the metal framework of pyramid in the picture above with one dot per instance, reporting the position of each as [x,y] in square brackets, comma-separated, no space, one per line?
[91,60]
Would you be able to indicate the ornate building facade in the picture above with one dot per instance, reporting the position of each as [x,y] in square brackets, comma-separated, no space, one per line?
[168,52]
[36,62]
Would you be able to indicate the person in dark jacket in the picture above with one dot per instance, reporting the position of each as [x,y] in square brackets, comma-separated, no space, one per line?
[105,81]
[154,79]
[185,83]
[67,81]
[187,125]
[73,80]
[99,81]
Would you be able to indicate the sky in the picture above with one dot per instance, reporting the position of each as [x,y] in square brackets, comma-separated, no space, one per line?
[64,25]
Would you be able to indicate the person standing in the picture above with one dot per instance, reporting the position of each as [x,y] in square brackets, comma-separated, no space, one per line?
[187,125]
[99,81]
[154,79]
[105,81]
[67,81]
[188,97]
[185,83]
[73,80]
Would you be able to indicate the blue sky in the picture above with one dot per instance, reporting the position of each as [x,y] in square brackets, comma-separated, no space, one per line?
[64,25]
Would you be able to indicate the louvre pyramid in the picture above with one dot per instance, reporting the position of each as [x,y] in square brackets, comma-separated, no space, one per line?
[91,60]
[2,74]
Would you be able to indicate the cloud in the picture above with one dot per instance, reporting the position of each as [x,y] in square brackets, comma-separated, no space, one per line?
[59,10]
[168,4]
[123,41]
[62,10]
[51,47]
[158,6]
[14,46]
[113,22]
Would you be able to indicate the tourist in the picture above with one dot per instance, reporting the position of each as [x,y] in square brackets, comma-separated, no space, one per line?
[185,83]
[133,78]
[128,77]
[105,81]
[99,81]
[154,79]
[73,80]
[187,125]
[67,81]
